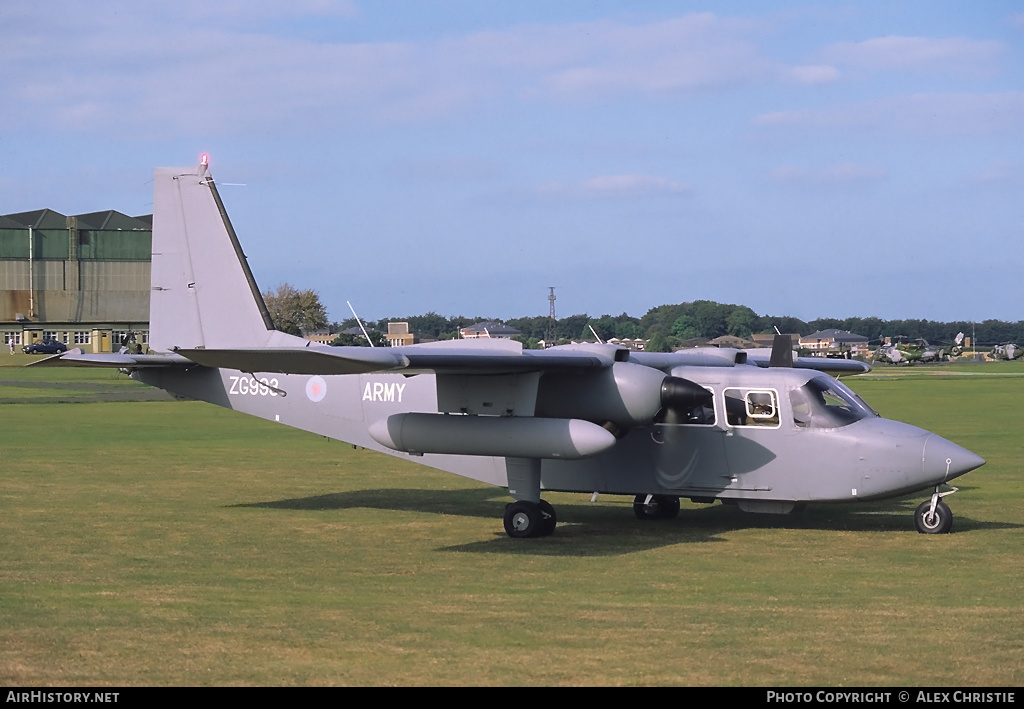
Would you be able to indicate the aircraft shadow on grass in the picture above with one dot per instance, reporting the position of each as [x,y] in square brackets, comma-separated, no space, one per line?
[610,528]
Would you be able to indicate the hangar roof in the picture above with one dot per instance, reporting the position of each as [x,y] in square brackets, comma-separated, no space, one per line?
[39,219]
[111,219]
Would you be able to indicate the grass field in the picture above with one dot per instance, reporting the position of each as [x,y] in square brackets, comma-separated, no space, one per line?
[174,543]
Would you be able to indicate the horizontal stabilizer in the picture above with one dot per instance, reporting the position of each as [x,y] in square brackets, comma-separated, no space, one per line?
[77,358]
[306,360]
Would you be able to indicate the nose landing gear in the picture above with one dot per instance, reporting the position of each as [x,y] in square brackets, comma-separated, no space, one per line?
[934,516]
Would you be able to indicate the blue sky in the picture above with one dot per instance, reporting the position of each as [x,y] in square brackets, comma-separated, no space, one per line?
[807,158]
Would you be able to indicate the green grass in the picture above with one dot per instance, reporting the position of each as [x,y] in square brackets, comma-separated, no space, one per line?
[20,385]
[174,543]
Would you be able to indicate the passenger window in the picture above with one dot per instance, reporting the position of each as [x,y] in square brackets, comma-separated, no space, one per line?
[751,407]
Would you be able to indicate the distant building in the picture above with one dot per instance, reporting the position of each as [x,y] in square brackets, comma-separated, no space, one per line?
[322,338]
[488,328]
[629,343]
[733,341]
[398,334]
[83,280]
[832,341]
[769,339]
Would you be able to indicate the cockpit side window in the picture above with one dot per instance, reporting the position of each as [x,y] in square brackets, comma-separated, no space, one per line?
[801,408]
[825,403]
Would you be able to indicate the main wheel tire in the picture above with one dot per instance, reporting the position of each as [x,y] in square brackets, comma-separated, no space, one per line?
[548,518]
[938,523]
[523,519]
[660,507]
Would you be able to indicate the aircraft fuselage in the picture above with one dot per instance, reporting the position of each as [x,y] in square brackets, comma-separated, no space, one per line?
[767,440]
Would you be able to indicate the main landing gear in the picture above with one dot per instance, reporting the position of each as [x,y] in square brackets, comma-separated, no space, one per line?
[655,506]
[528,516]
[529,519]
[934,516]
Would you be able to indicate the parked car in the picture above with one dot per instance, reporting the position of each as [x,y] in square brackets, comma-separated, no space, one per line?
[45,347]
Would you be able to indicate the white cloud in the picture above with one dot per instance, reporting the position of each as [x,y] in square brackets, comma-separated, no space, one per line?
[916,115]
[831,175]
[959,56]
[616,186]
[449,169]
[814,74]
[1004,173]
[692,52]
[130,70]
[125,14]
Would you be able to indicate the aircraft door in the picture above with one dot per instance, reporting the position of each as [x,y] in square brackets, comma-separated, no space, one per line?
[690,457]
[689,450]
[754,423]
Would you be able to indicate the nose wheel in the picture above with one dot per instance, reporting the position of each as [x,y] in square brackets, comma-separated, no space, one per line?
[934,516]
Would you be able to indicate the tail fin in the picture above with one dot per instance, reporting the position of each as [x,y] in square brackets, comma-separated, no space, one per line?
[203,294]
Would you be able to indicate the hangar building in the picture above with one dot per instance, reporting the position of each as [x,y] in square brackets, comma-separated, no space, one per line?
[82,279]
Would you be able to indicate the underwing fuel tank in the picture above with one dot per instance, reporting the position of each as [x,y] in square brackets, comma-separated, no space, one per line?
[509,436]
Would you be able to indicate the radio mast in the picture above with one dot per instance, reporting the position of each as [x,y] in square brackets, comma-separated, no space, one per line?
[550,336]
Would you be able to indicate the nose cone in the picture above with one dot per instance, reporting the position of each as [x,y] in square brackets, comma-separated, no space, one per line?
[943,460]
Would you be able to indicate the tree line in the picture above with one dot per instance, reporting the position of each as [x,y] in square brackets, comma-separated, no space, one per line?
[665,327]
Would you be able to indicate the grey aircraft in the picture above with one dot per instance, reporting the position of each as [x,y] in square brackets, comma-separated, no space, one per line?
[765,431]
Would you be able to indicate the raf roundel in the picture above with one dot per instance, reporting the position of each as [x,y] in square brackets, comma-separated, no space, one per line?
[316,389]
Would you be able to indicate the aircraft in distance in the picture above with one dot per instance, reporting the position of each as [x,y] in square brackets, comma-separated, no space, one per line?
[764,431]
[918,350]
[1007,351]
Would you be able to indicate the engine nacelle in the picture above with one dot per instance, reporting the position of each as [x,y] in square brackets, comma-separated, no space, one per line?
[626,394]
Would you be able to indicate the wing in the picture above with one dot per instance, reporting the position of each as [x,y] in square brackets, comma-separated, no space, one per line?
[462,357]
[455,357]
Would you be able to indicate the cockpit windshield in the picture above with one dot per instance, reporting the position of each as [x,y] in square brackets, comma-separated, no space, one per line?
[826,403]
